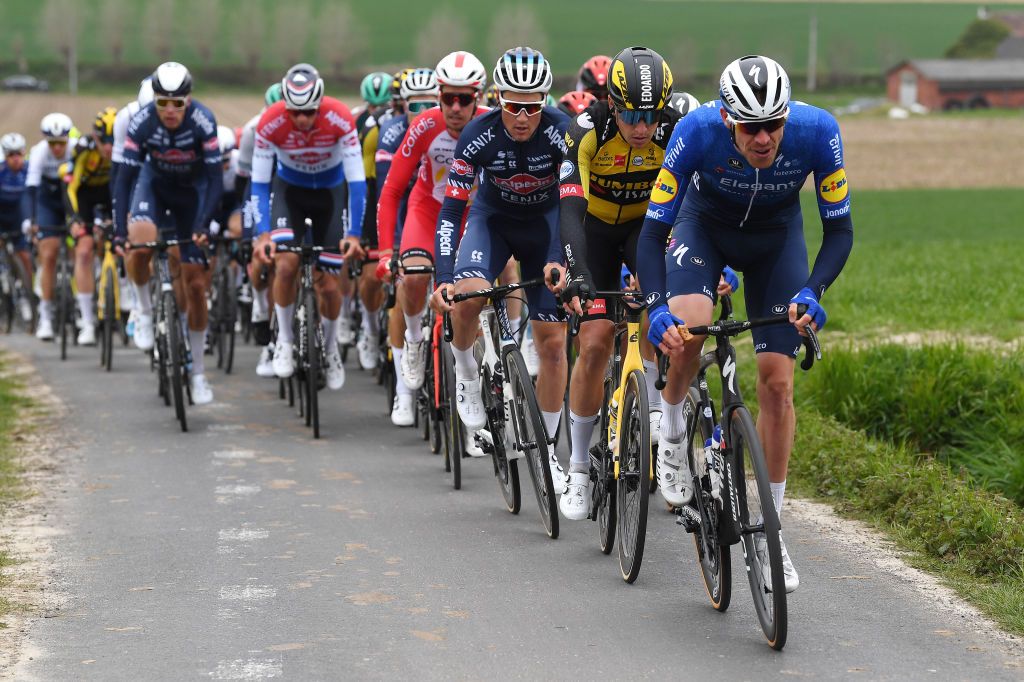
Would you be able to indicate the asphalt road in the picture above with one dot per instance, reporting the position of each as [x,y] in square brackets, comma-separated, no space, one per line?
[244,549]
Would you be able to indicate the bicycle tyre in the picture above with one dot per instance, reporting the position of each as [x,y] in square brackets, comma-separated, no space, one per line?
[109,320]
[230,316]
[603,505]
[314,347]
[63,289]
[455,429]
[754,497]
[8,294]
[532,437]
[632,487]
[175,356]
[505,470]
[714,557]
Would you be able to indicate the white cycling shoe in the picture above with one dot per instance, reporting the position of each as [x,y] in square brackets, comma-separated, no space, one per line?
[792,579]
[202,394]
[87,335]
[402,411]
[558,478]
[367,353]
[44,329]
[346,334]
[265,367]
[143,332]
[674,473]
[335,370]
[575,501]
[470,406]
[414,363]
[284,360]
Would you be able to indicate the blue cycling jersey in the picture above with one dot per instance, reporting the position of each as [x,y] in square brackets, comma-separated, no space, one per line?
[519,178]
[704,171]
[12,189]
[180,158]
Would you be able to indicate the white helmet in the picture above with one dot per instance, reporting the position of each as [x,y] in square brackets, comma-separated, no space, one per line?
[56,125]
[755,88]
[225,140]
[145,92]
[171,79]
[523,69]
[302,87]
[419,82]
[683,102]
[461,69]
[11,143]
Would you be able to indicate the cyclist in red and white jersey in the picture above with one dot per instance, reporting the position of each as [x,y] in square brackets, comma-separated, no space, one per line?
[315,142]
[429,146]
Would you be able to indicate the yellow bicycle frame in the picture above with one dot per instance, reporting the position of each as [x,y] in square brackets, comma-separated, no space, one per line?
[632,361]
[108,270]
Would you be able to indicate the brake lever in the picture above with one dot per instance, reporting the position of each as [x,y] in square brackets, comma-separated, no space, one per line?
[662,379]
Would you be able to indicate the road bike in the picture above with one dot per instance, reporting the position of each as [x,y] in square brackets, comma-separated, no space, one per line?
[223,305]
[65,310]
[108,293]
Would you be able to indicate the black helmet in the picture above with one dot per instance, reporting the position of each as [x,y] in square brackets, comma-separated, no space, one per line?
[171,79]
[639,79]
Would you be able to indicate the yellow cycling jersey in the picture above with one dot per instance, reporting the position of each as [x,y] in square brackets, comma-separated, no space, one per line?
[90,169]
[604,171]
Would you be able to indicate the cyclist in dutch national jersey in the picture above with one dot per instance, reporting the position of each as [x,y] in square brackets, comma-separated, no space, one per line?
[44,206]
[428,146]
[86,194]
[13,172]
[615,150]
[316,145]
[732,174]
[516,150]
[171,180]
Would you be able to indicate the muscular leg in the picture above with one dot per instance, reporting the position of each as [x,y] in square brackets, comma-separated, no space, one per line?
[49,248]
[514,303]
[776,420]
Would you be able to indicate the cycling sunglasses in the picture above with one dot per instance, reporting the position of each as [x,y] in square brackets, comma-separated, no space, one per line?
[417,107]
[754,127]
[464,99]
[514,107]
[634,116]
[308,113]
[171,102]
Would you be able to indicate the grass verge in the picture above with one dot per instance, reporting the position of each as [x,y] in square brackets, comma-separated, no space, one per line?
[973,539]
[11,404]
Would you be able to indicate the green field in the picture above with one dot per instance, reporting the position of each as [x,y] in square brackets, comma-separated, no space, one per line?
[697,37]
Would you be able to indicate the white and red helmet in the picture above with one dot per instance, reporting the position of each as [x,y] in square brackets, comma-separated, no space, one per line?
[461,69]
[302,87]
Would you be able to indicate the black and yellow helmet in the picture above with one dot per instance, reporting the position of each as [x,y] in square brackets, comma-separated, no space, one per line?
[103,126]
[397,80]
[639,79]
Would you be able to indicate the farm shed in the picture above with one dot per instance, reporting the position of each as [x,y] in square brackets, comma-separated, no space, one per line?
[957,83]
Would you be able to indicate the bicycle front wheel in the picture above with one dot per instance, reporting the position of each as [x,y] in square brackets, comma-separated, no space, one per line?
[532,437]
[762,547]
[315,349]
[227,330]
[63,307]
[456,431]
[109,320]
[633,483]
[175,356]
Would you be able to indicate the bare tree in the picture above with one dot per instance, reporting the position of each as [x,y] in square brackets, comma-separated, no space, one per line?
[683,62]
[248,37]
[203,21]
[341,36]
[839,58]
[159,23]
[290,33]
[18,48]
[112,24]
[62,19]
[514,26]
[445,28]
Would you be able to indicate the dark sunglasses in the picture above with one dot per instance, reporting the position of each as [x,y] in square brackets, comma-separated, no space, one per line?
[754,127]
[464,99]
[634,116]
[515,108]
[57,142]
[170,102]
[417,107]
[308,113]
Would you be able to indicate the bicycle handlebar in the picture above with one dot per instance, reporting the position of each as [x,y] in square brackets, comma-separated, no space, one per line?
[160,244]
[492,292]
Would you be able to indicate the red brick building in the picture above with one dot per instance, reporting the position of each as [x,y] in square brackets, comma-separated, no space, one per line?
[958,83]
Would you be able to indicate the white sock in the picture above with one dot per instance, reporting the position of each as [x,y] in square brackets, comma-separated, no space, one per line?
[371,325]
[414,327]
[346,306]
[465,364]
[284,322]
[551,422]
[142,298]
[260,306]
[184,328]
[673,426]
[85,308]
[330,328]
[46,309]
[582,428]
[653,394]
[197,339]
[400,387]
[778,492]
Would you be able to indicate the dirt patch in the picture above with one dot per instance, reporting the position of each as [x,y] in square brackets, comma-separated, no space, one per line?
[917,339]
[32,585]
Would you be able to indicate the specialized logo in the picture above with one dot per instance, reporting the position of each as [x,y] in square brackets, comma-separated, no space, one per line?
[679,253]
[462,167]
[665,187]
[729,373]
[755,73]
[524,183]
[834,188]
[565,170]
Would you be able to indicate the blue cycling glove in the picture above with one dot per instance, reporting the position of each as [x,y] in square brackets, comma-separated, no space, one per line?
[814,309]
[661,321]
[731,278]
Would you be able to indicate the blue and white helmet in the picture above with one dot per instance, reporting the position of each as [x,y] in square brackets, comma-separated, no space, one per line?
[523,69]
[755,88]
[12,143]
[56,126]
[419,82]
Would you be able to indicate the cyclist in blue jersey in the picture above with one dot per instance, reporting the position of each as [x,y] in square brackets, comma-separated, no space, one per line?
[516,151]
[171,179]
[13,173]
[729,192]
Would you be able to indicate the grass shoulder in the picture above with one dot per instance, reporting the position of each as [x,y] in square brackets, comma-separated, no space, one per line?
[13,403]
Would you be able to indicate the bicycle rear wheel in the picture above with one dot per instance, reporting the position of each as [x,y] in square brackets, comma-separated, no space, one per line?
[714,557]
[762,549]
[532,437]
[455,429]
[175,356]
[109,320]
[632,485]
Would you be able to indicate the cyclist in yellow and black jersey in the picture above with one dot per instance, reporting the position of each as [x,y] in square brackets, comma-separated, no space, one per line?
[615,150]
